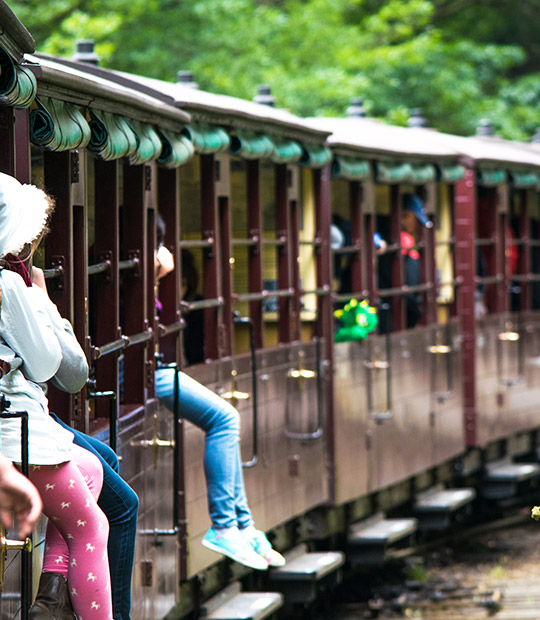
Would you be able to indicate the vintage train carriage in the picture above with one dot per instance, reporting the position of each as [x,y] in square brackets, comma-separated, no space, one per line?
[240,186]
[496,225]
[249,196]
[401,387]
[252,223]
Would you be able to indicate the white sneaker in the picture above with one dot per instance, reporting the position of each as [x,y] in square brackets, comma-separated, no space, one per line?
[262,546]
[234,546]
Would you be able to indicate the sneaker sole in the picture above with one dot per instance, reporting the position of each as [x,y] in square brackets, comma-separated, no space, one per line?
[222,551]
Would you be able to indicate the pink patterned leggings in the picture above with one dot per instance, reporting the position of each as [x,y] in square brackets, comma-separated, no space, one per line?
[69,492]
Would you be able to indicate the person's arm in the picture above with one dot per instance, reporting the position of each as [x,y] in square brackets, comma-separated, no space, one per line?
[27,329]
[18,496]
[164,262]
[72,373]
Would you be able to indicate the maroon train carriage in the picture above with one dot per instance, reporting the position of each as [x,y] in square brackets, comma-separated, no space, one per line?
[336,438]
[401,388]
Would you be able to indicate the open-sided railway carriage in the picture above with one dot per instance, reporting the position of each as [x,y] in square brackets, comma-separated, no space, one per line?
[333,435]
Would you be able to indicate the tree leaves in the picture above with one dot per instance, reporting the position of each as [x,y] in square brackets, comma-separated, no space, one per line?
[458,60]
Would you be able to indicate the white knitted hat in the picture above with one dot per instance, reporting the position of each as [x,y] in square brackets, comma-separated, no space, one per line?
[23,214]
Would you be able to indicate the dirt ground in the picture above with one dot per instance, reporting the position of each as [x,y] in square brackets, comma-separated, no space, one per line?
[488,575]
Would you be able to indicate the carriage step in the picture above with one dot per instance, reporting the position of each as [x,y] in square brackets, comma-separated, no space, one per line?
[502,481]
[232,604]
[306,574]
[437,509]
[369,541]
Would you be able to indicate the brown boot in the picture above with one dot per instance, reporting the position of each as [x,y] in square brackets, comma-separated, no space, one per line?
[52,600]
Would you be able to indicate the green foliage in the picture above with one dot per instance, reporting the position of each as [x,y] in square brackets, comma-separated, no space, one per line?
[458,61]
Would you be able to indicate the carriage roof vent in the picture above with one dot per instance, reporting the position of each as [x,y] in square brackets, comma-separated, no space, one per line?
[536,137]
[416,119]
[264,96]
[356,108]
[186,78]
[85,52]
[485,128]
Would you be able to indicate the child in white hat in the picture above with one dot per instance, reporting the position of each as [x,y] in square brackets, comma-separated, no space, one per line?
[68,477]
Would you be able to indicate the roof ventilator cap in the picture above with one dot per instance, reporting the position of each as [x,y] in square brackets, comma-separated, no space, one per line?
[416,119]
[356,108]
[264,96]
[186,78]
[485,128]
[85,52]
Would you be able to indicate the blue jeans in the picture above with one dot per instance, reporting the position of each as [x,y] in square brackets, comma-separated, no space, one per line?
[120,504]
[227,503]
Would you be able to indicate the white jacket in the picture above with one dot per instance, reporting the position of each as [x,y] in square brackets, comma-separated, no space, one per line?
[32,328]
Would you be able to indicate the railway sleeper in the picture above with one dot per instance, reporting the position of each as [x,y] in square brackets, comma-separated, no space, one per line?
[306,574]
[505,480]
[438,509]
[370,541]
[233,604]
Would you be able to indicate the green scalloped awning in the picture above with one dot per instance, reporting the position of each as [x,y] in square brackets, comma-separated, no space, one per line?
[148,143]
[405,172]
[250,145]
[57,125]
[423,173]
[315,156]
[350,168]
[393,173]
[452,174]
[18,86]
[112,136]
[207,139]
[523,180]
[176,149]
[491,176]
[287,152]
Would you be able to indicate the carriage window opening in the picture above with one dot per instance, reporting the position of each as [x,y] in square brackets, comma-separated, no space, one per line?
[270,250]
[192,293]
[239,230]
[340,239]
[308,248]
[516,231]
[444,253]
[534,247]
[401,266]
[193,244]
[487,271]
[37,177]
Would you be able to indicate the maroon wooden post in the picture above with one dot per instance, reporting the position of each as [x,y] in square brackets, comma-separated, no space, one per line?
[465,229]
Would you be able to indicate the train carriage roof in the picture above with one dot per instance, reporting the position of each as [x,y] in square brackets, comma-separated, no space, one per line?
[231,110]
[75,84]
[205,106]
[489,151]
[375,139]
[14,37]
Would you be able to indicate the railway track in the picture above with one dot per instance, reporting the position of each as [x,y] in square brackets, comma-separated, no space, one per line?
[488,571]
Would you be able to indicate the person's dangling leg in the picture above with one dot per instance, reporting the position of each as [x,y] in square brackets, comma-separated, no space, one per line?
[69,492]
[120,504]
[221,423]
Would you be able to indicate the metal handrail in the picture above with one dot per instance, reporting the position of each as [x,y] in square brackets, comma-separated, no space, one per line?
[130,263]
[26,548]
[299,374]
[245,320]
[176,521]
[99,268]
[54,272]
[111,396]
